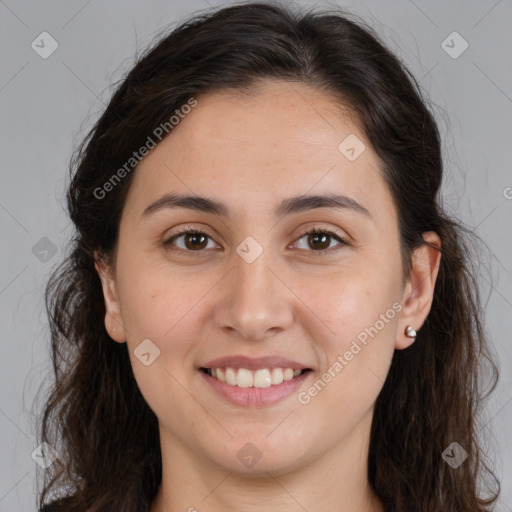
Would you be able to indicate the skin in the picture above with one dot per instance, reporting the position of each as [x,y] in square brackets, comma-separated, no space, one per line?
[251,152]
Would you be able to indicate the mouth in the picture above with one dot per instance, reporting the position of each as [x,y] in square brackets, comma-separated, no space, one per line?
[259,378]
[254,382]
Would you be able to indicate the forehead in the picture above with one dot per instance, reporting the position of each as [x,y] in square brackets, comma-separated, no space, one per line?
[255,149]
[287,117]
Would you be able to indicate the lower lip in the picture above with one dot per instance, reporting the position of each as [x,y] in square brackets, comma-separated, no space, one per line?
[256,397]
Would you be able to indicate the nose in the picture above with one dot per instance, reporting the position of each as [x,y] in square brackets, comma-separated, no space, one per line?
[255,303]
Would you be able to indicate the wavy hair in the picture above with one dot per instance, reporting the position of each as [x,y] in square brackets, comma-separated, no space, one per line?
[94,414]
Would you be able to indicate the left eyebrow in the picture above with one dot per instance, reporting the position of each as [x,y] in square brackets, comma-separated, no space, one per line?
[287,207]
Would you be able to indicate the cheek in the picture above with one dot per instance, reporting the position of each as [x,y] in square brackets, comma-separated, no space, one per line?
[156,303]
[168,309]
[163,312]
[350,300]
[356,357]
[361,311]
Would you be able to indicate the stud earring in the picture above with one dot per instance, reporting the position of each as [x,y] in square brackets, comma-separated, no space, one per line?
[410,332]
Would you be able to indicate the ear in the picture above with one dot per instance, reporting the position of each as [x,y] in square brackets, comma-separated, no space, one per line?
[419,289]
[113,317]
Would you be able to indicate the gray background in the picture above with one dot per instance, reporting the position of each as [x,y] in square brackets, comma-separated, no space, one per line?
[48,104]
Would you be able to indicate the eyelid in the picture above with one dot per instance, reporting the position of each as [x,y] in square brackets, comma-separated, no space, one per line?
[332,232]
[183,231]
[343,239]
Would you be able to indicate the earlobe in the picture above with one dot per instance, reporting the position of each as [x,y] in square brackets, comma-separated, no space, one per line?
[113,318]
[419,290]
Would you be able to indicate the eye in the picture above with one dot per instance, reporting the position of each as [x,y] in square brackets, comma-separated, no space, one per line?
[195,240]
[321,239]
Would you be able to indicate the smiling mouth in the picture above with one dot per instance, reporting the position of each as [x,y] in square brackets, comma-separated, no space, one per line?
[245,378]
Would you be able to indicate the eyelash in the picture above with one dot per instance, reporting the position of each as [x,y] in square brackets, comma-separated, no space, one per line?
[313,231]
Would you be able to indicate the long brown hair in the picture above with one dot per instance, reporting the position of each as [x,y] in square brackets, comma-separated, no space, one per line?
[95,416]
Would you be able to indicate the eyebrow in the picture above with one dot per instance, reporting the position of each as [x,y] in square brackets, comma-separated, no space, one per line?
[287,207]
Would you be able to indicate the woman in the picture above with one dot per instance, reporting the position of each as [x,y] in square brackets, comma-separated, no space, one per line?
[265,305]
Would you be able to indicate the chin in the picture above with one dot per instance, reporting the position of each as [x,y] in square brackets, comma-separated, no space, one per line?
[259,457]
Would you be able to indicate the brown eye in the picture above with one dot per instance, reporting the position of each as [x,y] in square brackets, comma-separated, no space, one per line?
[320,240]
[193,240]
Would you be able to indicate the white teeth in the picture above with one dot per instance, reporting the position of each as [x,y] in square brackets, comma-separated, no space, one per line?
[262,378]
[277,376]
[244,378]
[288,374]
[231,376]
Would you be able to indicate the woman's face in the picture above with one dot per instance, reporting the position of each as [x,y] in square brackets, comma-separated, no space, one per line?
[255,286]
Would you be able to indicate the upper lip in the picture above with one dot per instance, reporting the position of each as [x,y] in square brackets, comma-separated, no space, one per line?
[254,363]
